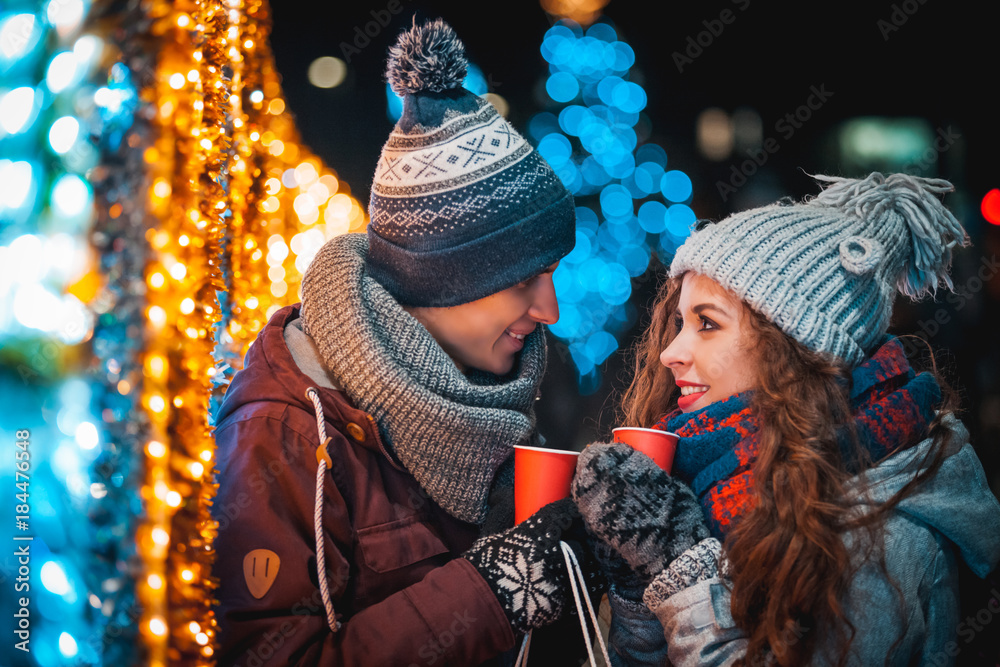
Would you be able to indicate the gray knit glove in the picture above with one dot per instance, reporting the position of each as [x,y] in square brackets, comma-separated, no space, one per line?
[526,568]
[644,514]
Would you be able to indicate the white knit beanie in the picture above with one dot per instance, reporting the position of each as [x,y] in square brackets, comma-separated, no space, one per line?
[826,271]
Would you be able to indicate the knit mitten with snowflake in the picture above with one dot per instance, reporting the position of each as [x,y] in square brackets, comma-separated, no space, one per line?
[526,568]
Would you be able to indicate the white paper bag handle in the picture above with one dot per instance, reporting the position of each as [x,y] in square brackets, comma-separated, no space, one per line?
[575,574]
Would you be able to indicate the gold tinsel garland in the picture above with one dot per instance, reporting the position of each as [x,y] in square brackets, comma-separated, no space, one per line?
[290,202]
[189,200]
[232,189]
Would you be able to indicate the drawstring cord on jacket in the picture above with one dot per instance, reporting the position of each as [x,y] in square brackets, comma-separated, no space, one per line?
[324,461]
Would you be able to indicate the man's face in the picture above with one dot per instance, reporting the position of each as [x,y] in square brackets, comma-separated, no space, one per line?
[488,333]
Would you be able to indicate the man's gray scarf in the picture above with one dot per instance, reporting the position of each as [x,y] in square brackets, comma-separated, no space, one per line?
[452,432]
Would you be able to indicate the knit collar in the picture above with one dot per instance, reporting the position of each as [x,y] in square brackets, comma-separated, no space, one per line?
[892,406]
[451,431]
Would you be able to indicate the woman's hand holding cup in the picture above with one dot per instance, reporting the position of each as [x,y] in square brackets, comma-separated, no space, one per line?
[635,508]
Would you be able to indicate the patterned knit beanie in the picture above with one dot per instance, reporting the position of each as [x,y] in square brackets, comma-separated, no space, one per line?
[461,205]
[826,271]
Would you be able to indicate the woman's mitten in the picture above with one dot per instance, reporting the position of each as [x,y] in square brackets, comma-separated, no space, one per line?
[644,514]
[622,580]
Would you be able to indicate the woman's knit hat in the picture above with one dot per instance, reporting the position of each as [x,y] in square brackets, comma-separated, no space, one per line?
[461,205]
[826,271]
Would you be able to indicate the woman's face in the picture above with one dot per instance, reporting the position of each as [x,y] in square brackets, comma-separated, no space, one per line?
[712,357]
[488,333]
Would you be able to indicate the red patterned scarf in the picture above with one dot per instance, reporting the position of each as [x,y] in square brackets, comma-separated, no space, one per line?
[892,405]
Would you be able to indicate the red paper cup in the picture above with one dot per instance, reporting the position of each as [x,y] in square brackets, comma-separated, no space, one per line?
[541,476]
[657,445]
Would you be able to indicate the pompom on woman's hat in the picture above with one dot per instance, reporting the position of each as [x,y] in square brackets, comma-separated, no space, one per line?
[826,271]
[461,205]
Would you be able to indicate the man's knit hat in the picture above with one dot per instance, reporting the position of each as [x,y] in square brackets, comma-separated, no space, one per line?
[461,205]
[826,271]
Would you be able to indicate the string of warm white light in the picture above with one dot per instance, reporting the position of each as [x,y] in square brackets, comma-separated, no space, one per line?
[189,198]
[240,202]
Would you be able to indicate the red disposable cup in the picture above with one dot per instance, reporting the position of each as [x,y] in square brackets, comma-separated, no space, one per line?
[541,476]
[657,445]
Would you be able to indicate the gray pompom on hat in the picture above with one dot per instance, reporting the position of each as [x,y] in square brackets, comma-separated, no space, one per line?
[826,271]
[461,205]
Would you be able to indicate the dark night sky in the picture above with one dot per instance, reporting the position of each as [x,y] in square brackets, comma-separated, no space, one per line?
[941,65]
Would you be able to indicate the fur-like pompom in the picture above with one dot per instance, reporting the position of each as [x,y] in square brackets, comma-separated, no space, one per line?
[933,230]
[426,57]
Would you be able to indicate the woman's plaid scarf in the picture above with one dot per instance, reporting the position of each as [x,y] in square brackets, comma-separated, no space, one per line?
[893,407]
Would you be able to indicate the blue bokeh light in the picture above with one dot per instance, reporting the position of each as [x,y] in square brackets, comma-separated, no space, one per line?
[54,578]
[681,221]
[67,645]
[568,326]
[20,34]
[117,102]
[475,82]
[574,119]
[586,219]
[652,153]
[556,149]
[567,287]
[622,167]
[668,244]
[630,206]
[589,274]
[580,252]
[653,216]
[629,97]
[542,124]
[570,176]
[600,346]
[593,172]
[633,189]
[581,358]
[676,186]
[616,201]
[624,56]
[615,284]
[562,87]
[648,176]
[394,103]
[635,259]
[606,89]
[603,32]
